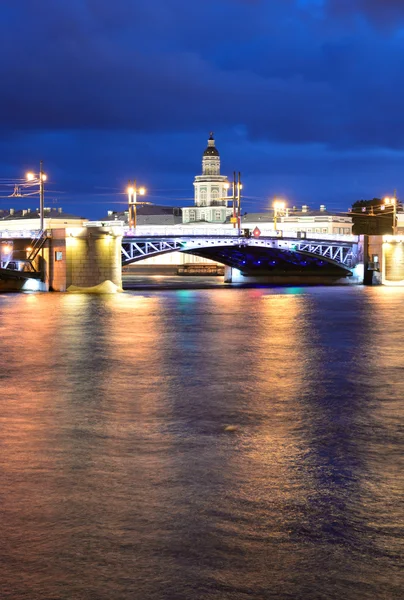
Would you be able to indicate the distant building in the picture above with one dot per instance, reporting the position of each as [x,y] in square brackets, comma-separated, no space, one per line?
[211,190]
[301,220]
[28,221]
[150,215]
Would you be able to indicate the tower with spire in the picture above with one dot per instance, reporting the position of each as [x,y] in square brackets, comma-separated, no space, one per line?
[210,189]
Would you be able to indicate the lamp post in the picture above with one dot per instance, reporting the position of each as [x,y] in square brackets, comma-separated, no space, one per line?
[392,202]
[239,188]
[236,201]
[132,197]
[35,179]
[278,206]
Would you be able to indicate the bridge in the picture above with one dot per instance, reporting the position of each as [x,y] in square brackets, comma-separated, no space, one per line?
[252,255]
[87,256]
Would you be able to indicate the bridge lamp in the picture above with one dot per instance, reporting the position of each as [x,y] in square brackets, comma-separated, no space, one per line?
[39,178]
[278,206]
[393,203]
[132,191]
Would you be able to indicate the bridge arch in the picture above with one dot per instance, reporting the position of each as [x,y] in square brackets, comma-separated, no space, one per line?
[250,255]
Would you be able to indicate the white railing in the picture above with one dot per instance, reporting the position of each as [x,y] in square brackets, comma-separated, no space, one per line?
[178,231]
[32,234]
[105,224]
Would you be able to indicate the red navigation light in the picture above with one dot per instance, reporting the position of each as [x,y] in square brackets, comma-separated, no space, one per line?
[256,232]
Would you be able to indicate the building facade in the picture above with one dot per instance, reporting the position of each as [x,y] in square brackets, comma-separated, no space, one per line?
[304,220]
[210,190]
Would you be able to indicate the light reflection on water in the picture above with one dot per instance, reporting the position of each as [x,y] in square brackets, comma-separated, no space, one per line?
[202,444]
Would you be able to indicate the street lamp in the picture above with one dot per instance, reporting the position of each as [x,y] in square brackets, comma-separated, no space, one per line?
[278,206]
[392,202]
[235,199]
[239,188]
[132,195]
[40,179]
[6,250]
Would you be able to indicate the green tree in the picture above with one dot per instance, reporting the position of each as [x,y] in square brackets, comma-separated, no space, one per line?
[372,217]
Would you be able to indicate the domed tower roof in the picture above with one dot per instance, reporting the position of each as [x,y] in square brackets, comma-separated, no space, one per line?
[211,150]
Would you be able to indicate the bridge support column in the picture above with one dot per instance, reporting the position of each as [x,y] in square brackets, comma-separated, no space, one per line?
[228,274]
[93,259]
[372,248]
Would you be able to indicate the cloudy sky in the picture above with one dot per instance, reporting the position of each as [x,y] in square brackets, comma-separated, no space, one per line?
[304,98]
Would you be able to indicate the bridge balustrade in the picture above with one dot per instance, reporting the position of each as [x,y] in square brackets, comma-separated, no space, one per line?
[178,231]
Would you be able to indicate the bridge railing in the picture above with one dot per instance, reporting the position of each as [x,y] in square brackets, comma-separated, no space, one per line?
[178,231]
[23,233]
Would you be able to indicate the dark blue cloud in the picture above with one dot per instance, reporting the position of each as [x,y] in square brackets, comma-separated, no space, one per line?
[379,12]
[295,90]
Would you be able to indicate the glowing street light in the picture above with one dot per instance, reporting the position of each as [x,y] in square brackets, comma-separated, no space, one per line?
[132,191]
[235,199]
[279,207]
[39,179]
[391,202]
[6,250]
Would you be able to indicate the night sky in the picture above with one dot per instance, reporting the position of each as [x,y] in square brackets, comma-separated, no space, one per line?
[304,98]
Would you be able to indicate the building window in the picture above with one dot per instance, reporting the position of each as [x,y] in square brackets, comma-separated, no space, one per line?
[203,196]
[218,215]
[325,230]
[347,230]
[192,215]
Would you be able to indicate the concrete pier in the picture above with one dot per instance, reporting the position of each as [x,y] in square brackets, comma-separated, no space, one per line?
[83,259]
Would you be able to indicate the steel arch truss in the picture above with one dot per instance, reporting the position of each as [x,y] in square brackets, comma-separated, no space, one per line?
[338,253]
[137,249]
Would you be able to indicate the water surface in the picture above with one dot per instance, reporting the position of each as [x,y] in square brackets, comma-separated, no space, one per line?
[222,443]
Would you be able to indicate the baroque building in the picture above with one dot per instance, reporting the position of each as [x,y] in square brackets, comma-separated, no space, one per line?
[211,190]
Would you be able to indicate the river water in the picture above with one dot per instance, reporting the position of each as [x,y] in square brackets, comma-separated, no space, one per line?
[215,443]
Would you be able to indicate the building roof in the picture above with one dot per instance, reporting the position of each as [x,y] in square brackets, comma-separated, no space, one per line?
[211,149]
[49,213]
[150,214]
[158,220]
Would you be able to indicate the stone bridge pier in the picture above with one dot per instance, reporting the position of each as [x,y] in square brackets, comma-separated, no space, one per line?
[83,259]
